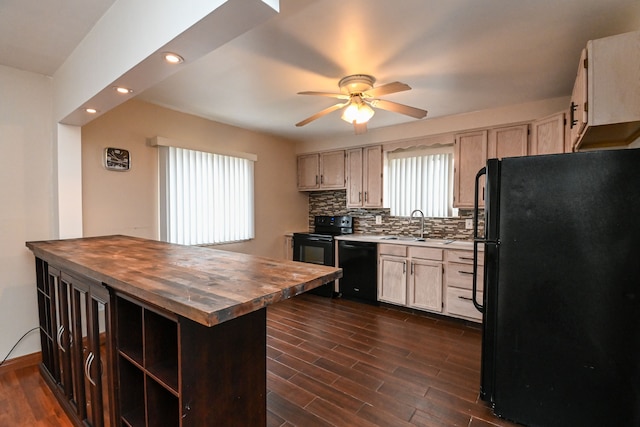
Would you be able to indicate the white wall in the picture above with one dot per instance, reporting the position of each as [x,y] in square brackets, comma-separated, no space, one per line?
[26,201]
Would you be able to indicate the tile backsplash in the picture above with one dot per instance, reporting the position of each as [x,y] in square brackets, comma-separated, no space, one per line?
[335,202]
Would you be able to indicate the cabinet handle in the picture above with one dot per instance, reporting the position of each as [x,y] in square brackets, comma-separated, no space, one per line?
[404,267]
[60,331]
[316,179]
[87,368]
[573,121]
[466,258]
[465,272]
[465,298]
[321,179]
[360,196]
[365,196]
[411,267]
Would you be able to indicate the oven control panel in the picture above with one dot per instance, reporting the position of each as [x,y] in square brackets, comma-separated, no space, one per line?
[334,221]
[333,225]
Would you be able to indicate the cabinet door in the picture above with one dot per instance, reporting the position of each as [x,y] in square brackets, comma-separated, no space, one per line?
[332,170]
[64,335]
[372,177]
[470,155]
[99,369]
[48,322]
[547,135]
[354,178]
[288,248]
[393,280]
[90,356]
[425,285]
[511,141]
[308,172]
[578,111]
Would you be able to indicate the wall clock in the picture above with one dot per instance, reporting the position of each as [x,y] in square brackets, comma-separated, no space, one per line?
[117,159]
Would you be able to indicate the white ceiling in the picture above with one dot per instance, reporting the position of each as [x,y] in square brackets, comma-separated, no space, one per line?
[457,55]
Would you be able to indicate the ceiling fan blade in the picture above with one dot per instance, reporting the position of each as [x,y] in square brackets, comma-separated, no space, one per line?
[360,128]
[387,89]
[399,108]
[329,94]
[321,113]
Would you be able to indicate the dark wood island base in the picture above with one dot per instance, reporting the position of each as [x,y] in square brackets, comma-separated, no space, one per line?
[170,335]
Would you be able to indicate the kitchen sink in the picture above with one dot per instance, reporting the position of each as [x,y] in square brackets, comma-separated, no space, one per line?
[418,239]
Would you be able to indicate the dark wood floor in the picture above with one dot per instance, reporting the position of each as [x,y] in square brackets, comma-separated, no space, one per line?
[334,362]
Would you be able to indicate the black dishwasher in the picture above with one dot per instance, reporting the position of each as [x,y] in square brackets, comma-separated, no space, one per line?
[358,261]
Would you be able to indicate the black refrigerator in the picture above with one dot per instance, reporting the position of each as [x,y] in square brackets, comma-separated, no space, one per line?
[561,302]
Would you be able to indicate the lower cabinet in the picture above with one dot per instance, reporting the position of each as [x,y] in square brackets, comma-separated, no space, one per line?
[425,285]
[410,276]
[172,371]
[288,247]
[459,285]
[74,320]
[430,279]
[392,278]
[112,360]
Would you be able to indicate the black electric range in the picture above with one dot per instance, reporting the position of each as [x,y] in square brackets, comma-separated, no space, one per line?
[318,247]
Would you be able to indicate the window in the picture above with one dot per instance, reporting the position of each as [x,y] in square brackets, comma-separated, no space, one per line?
[205,198]
[420,178]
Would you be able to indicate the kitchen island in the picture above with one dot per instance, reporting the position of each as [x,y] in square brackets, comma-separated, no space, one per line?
[170,334]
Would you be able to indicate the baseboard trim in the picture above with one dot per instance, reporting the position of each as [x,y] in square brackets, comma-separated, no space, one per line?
[21,362]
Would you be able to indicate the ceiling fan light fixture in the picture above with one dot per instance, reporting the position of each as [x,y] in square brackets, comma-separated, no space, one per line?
[361,96]
[357,112]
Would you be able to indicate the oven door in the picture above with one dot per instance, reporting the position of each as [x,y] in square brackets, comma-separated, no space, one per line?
[315,249]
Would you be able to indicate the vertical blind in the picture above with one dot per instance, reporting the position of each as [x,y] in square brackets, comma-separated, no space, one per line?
[422,182]
[204,197]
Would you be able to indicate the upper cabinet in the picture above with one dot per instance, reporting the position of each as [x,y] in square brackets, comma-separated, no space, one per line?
[470,155]
[472,149]
[607,93]
[578,108]
[364,177]
[509,141]
[321,171]
[547,135]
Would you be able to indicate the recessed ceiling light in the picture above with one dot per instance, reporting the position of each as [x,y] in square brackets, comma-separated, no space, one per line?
[123,90]
[172,58]
[91,110]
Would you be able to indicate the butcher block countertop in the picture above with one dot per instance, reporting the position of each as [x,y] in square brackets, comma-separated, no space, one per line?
[208,286]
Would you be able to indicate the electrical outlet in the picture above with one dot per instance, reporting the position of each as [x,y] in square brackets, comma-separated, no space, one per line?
[378,219]
[468,224]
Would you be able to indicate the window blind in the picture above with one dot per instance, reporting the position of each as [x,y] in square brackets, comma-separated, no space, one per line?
[205,198]
[422,182]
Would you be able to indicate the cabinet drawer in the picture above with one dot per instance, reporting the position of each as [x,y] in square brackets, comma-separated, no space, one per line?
[425,253]
[465,257]
[461,275]
[459,303]
[396,250]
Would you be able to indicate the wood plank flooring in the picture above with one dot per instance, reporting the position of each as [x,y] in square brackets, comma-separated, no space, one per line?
[334,362]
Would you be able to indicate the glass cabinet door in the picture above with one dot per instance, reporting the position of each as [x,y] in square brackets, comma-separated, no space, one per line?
[90,314]
[97,363]
[64,333]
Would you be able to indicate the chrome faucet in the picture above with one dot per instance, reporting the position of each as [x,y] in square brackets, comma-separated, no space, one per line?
[421,221]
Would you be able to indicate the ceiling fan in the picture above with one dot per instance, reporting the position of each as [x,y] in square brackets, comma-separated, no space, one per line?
[359,94]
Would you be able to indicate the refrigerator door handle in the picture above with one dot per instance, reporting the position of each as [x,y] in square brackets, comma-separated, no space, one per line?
[476,241]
